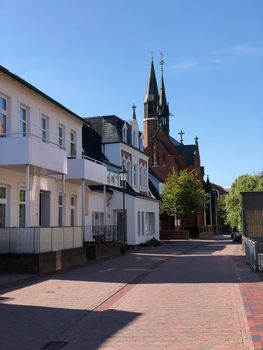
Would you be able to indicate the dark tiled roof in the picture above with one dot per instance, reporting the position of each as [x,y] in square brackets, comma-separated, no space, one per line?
[153,190]
[99,188]
[176,143]
[91,143]
[39,92]
[109,127]
[188,151]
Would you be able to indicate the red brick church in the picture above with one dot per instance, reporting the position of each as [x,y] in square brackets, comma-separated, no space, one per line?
[167,154]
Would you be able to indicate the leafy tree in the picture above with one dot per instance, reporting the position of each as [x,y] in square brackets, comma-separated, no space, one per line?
[183,195]
[243,183]
[221,203]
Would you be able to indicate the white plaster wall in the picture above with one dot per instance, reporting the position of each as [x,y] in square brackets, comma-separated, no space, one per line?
[146,205]
[16,180]
[95,203]
[18,94]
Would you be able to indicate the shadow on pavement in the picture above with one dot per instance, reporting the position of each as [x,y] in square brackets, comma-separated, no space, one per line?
[30,327]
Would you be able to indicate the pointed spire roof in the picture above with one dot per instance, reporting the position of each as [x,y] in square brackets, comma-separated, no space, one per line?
[134,113]
[152,89]
[162,100]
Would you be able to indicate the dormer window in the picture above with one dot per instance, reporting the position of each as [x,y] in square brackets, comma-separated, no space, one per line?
[134,139]
[124,133]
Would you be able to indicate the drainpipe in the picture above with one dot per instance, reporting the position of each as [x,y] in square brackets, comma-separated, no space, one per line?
[83,201]
[27,196]
[63,201]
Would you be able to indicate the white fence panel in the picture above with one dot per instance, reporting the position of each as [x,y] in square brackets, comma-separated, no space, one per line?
[78,239]
[4,240]
[57,238]
[68,237]
[45,240]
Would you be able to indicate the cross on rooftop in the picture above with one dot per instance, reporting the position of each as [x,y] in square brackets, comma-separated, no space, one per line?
[196,140]
[181,133]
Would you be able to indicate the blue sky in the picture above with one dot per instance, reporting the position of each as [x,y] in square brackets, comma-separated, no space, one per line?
[94,57]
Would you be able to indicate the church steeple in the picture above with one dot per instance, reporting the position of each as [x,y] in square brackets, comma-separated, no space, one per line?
[151,99]
[163,108]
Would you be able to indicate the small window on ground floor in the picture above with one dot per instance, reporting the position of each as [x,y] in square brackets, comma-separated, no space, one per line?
[150,223]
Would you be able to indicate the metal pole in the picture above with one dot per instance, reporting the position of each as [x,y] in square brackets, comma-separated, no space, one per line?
[27,196]
[63,201]
[123,213]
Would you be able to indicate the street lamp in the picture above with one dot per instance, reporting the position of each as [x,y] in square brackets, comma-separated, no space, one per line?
[123,174]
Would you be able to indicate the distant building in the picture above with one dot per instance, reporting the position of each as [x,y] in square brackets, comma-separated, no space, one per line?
[122,145]
[166,154]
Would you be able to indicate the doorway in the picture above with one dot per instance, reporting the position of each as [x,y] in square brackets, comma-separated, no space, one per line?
[121,225]
[44,208]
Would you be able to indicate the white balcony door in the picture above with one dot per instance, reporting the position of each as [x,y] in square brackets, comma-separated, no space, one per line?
[73,210]
[3,206]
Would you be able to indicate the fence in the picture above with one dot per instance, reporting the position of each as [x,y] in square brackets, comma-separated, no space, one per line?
[253,248]
[101,233]
[39,239]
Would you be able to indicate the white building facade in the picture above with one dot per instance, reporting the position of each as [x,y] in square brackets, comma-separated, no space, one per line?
[43,175]
[122,144]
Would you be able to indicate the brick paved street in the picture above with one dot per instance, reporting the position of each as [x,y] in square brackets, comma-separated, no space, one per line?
[184,295]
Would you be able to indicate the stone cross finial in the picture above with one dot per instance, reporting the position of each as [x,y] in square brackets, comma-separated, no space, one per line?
[181,133]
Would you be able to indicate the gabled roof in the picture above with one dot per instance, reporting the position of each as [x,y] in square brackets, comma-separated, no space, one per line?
[39,92]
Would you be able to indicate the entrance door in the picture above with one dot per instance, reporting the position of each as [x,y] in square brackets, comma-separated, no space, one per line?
[44,208]
[121,226]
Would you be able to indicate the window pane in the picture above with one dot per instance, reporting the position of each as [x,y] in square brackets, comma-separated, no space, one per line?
[60,200]
[2,192]
[2,103]
[2,215]
[22,215]
[72,215]
[60,216]
[22,114]
[72,200]
[22,196]
[2,124]
[44,123]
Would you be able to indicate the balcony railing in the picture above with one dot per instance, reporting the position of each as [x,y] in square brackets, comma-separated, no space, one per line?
[18,240]
[20,149]
[101,233]
[87,168]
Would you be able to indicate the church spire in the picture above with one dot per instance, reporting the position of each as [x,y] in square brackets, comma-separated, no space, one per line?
[152,89]
[163,108]
[133,111]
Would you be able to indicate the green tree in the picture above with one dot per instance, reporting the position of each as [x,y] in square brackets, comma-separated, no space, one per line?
[243,183]
[183,195]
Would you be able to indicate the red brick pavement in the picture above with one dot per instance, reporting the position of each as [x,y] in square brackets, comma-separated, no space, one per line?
[156,299]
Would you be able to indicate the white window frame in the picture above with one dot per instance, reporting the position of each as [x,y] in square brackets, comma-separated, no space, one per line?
[73,143]
[21,122]
[73,207]
[4,112]
[21,203]
[44,131]
[60,210]
[124,133]
[135,175]
[150,223]
[4,201]
[61,138]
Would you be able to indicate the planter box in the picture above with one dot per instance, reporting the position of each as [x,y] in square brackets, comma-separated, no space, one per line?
[42,262]
[173,234]
[96,251]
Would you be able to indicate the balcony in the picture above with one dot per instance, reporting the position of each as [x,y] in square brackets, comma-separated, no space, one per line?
[45,157]
[88,169]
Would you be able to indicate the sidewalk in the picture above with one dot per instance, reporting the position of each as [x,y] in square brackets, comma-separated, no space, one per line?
[184,295]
